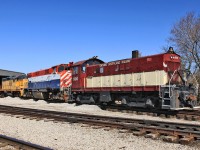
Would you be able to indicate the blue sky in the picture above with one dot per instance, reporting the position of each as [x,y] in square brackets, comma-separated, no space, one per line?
[37,34]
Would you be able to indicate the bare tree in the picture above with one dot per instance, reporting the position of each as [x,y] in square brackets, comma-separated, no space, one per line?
[185,37]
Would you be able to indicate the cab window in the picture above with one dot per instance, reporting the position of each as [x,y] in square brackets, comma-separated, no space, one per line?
[83,69]
[75,70]
[101,70]
[67,68]
[117,68]
[97,70]
[54,70]
[61,68]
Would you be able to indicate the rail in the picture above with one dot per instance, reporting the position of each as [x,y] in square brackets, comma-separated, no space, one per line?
[13,143]
[181,132]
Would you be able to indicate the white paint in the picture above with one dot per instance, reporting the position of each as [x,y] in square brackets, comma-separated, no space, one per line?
[44,78]
[75,78]
[124,80]
[164,65]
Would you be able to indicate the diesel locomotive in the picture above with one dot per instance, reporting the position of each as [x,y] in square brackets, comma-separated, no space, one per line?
[155,81]
[14,86]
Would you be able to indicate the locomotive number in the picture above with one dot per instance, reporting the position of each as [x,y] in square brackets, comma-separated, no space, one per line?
[75,78]
[174,57]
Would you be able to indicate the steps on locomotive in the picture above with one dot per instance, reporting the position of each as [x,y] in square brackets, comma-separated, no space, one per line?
[166,100]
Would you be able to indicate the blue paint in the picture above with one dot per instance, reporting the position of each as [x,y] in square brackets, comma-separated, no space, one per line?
[53,84]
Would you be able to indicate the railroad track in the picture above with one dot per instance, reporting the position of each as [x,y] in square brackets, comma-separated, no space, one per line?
[190,114]
[15,144]
[168,131]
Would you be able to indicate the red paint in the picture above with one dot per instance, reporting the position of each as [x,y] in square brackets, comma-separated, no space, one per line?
[79,75]
[166,62]
[48,71]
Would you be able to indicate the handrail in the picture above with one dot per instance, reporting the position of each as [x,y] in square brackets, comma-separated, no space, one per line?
[160,92]
[170,82]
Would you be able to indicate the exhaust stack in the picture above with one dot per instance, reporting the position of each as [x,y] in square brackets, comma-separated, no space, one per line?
[135,54]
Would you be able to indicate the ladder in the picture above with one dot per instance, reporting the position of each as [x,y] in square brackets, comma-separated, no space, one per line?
[166,93]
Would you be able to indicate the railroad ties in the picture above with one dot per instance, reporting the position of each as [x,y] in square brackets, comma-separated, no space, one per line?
[190,114]
[167,131]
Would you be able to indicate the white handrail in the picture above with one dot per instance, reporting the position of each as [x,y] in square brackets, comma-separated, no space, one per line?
[170,82]
[160,91]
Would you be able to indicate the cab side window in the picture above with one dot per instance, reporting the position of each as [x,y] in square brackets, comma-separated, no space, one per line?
[54,70]
[83,68]
[67,68]
[101,70]
[61,68]
[75,70]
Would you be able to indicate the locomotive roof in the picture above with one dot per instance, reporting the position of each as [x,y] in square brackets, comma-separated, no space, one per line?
[146,56]
[83,61]
[46,68]
[139,57]
[156,55]
[58,65]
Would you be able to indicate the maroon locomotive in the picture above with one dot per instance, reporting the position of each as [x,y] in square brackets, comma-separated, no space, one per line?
[154,81]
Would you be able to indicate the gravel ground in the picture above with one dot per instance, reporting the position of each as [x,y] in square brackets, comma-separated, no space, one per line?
[64,136]
[86,109]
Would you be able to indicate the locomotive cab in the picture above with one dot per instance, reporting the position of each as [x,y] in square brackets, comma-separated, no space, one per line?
[79,77]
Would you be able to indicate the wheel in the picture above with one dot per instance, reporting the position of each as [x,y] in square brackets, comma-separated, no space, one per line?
[2,95]
[150,103]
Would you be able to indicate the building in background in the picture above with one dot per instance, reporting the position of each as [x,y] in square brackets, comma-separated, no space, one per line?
[7,73]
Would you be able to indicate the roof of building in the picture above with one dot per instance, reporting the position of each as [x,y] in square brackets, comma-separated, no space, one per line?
[10,73]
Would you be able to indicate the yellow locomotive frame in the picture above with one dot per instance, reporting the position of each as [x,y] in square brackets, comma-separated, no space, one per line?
[14,86]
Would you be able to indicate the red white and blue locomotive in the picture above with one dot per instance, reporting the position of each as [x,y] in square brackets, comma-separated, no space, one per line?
[53,83]
[154,81]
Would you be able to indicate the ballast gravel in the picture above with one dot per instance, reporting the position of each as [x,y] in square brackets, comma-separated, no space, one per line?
[64,136]
[85,109]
